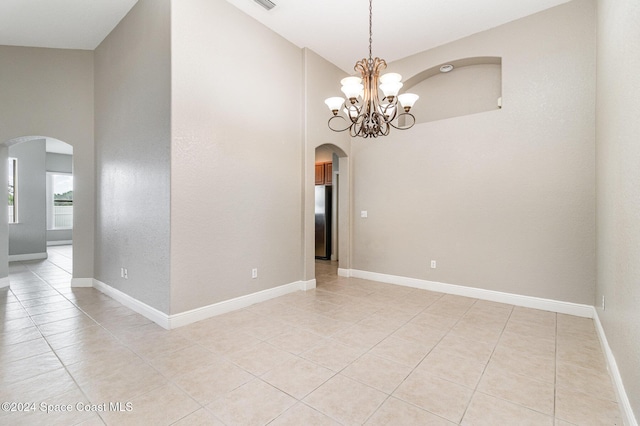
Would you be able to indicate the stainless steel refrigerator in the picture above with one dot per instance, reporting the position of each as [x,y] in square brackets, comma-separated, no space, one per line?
[323,222]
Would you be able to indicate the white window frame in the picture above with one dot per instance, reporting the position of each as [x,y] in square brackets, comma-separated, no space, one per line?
[14,167]
[50,202]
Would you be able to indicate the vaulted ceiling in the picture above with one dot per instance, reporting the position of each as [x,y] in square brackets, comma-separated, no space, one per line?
[335,29]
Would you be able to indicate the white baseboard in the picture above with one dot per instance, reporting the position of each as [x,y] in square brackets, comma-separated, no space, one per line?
[623,400]
[26,257]
[81,282]
[60,243]
[308,285]
[134,304]
[343,272]
[478,293]
[198,314]
[184,318]
[4,282]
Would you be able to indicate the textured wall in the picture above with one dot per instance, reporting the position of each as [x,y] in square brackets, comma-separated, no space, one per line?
[618,154]
[133,137]
[236,155]
[503,200]
[29,235]
[49,92]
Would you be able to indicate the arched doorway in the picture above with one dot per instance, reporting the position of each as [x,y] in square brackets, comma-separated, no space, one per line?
[39,219]
[331,178]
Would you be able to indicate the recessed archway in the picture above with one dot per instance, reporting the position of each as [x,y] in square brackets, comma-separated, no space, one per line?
[341,199]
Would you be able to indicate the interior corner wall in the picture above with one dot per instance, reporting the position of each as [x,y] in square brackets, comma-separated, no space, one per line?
[618,174]
[29,235]
[236,155]
[49,92]
[133,138]
[503,200]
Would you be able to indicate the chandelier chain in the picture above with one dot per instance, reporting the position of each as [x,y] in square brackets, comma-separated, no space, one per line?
[370,29]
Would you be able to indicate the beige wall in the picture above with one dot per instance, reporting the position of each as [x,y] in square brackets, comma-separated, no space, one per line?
[618,155]
[49,92]
[133,139]
[236,155]
[502,200]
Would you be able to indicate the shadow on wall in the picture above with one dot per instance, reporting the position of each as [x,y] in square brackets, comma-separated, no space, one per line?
[461,87]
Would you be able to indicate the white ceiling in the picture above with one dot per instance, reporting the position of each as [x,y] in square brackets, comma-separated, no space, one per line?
[335,29]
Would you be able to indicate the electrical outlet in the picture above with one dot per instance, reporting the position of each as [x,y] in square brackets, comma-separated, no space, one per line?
[126,274]
[603,302]
[433,264]
[254,273]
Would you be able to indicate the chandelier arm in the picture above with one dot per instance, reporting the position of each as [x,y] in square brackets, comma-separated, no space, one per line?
[405,127]
[339,130]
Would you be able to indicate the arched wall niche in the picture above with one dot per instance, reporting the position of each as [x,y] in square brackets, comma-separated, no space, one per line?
[474,85]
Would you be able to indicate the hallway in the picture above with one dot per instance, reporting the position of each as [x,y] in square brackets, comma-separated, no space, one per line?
[350,352]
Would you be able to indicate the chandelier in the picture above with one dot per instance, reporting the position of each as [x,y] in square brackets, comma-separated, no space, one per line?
[364,113]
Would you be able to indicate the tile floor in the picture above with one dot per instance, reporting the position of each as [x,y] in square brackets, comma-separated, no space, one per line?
[350,352]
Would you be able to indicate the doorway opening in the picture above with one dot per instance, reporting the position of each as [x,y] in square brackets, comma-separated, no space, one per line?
[40,193]
[331,192]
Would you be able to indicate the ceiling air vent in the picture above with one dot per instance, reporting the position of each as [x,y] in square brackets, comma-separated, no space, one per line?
[266,4]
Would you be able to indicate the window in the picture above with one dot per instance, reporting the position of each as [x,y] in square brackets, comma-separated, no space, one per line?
[13,189]
[59,201]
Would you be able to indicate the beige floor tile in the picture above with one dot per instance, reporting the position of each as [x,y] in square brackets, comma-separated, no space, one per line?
[254,403]
[469,329]
[486,410]
[534,345]
[117,384]
[361,336]
[26,368]
[583,357]
[523,363]
[332,354]
[260,358]
[22,350]
[421,333]
[38,388]
[531,329]
[265,329]
[396,412]
[466,348]
[379,373]
[453,368]
[595,382]
[296,341]
[161,406]
[582,409]
[405,352]
[65,325]
[86,335]
[228,343]
[525,391]
[56,316]
[345,400]
[48,414]
[298,377]
[202,417]
[528,315]
[183,361]
[441,322]
[208,382]
[436,395]
[302,414]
